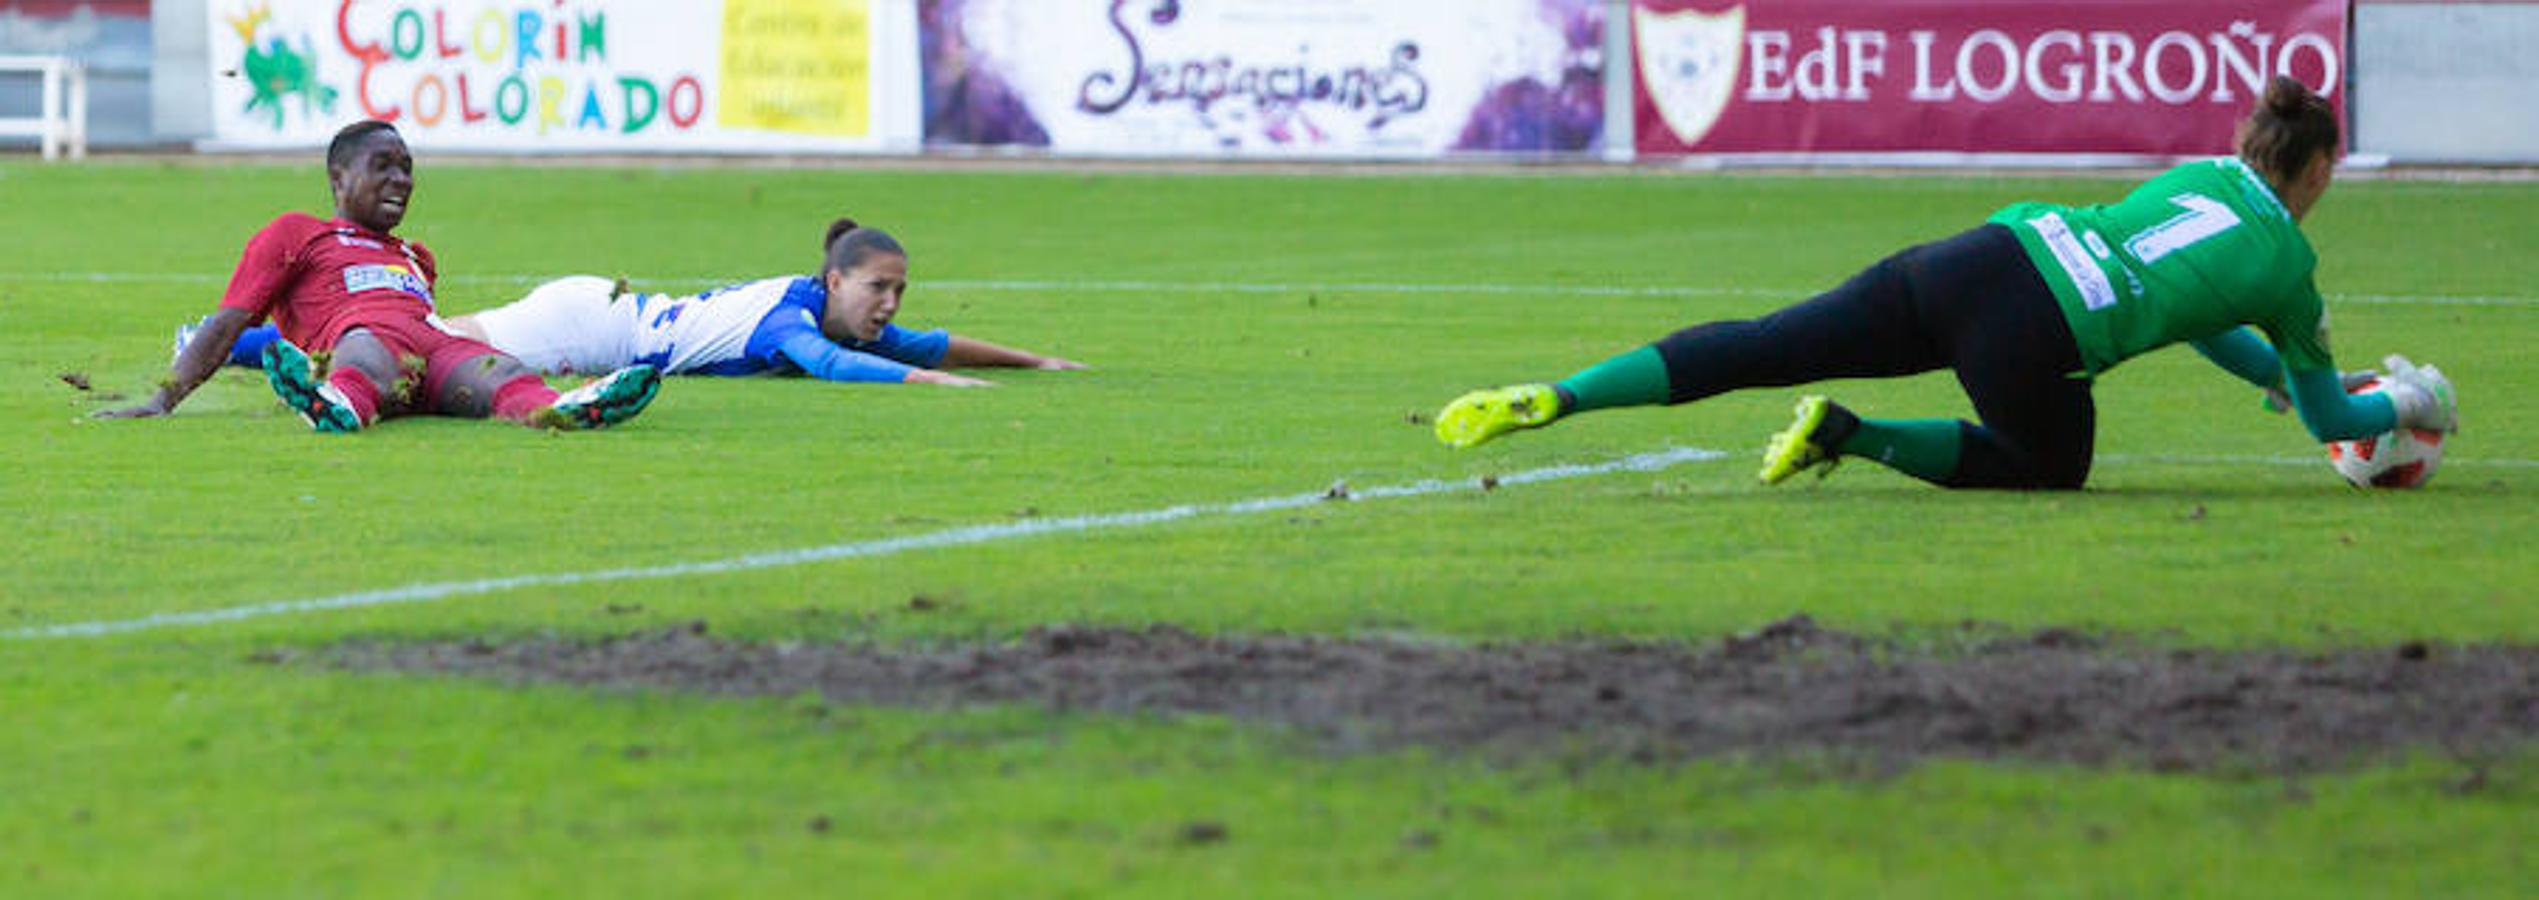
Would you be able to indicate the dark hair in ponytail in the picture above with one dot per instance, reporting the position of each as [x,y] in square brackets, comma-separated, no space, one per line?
[2290,126]
[848,244]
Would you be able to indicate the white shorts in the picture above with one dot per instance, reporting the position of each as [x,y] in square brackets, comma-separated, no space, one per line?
[565,327]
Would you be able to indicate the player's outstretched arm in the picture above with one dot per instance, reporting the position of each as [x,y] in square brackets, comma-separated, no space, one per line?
[945,379]
[202,356]
[2241,352]
[2333,415]
[970,352]
[829,362]
[2279,400]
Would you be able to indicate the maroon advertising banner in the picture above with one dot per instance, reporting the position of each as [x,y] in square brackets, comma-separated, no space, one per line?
[2147,77]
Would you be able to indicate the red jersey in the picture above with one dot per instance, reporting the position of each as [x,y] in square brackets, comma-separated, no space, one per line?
[318,279]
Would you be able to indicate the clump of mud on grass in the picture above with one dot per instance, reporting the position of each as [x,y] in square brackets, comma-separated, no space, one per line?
[1790,688]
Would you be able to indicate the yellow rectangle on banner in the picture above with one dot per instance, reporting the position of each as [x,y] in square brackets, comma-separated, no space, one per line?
[798,66]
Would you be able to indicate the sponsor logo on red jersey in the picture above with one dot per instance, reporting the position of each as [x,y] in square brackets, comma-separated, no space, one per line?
[388,277]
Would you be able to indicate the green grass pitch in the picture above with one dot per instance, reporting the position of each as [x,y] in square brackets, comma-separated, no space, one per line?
[1251,336]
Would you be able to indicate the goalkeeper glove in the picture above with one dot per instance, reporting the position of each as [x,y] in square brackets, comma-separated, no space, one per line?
[2422,395]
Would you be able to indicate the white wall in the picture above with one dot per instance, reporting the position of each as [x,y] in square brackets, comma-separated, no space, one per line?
[116,51]
[2447,83]
[180,93]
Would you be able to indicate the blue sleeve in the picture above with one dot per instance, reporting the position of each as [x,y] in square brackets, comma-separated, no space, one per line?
[807,348]
[2333,415]
[249,351]
[2241,352]
[923,349]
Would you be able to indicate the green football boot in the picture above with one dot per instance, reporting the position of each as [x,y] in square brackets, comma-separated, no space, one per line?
[611,399]
[295,381]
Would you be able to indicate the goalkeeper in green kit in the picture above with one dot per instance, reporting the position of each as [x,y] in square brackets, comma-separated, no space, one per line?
[2027,309]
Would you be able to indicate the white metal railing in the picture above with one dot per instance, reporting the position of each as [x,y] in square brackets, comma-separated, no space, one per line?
[63,120]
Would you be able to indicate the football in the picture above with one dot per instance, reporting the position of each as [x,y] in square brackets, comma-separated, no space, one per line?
[2404,458]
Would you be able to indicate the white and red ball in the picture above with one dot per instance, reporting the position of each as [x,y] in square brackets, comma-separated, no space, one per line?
[2403,458]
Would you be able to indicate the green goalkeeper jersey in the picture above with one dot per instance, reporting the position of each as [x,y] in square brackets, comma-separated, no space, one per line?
[2203,248]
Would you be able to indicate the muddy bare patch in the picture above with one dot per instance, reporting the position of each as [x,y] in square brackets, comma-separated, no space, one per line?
[1792,687]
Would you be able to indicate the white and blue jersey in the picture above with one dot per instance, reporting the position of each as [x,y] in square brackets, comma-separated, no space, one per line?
[581,324]
[771,325]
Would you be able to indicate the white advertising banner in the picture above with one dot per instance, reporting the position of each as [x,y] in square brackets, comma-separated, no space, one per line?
[565,75]
[1366,78]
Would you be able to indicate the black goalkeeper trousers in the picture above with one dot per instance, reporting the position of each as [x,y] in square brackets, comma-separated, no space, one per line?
[1973,303]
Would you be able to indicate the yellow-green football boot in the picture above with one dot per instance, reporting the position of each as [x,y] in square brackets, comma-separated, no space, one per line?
[1481,415]
[1801,446]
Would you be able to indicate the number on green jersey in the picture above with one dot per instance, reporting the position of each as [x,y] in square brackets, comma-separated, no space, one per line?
[2204,218]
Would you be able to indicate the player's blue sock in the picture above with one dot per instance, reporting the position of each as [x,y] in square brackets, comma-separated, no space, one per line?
[249,350]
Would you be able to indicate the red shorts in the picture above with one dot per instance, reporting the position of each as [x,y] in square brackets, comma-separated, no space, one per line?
[408,339]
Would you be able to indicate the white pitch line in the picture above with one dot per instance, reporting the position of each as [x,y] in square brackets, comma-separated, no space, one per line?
[1348,287]
[981,534]
[2431,300]
[1230,287]
[2301,461]
[952,537]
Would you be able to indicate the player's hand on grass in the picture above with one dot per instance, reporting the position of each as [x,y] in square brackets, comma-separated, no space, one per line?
[946,379]
[1056,364]
[2280,401]
[2423,396]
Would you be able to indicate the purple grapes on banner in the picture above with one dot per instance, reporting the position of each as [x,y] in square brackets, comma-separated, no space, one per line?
[967,100]
[971,97]
[1528,115]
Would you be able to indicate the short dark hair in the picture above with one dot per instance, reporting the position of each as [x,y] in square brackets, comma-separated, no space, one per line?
[2289,127]
[340,151]
[847,244]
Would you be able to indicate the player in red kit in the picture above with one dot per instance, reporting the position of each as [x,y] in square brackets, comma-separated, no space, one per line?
[348,289]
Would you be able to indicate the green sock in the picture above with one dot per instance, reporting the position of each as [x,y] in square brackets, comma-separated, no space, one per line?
[1637,378]
[1923,448]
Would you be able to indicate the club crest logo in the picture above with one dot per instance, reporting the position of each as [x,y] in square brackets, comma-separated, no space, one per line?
[1689,61]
